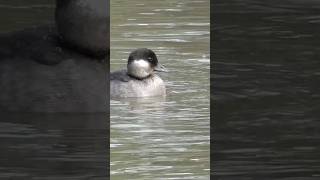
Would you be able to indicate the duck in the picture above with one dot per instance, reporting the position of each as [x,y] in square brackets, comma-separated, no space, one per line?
[139,79]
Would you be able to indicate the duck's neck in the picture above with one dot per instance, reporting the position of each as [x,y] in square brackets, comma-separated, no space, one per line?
[139,78]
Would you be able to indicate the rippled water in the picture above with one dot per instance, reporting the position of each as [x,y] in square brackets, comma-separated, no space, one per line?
[53,146]
[266,90]
[163,138]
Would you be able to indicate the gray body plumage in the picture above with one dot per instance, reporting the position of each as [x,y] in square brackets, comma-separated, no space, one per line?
[124,86]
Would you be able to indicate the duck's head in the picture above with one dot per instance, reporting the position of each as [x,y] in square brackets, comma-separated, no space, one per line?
[142,63]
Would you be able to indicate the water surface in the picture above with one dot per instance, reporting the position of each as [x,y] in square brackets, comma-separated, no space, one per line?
[19,14]
[265,90]
[163,138]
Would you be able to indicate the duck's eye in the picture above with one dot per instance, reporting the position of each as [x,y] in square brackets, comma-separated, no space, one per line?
[149,58]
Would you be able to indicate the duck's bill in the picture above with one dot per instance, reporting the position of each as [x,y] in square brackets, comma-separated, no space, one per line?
[160,68]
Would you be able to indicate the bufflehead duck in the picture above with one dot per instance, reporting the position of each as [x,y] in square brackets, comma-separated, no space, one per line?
[139,79]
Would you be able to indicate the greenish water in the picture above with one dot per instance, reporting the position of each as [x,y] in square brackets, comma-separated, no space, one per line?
[163,138]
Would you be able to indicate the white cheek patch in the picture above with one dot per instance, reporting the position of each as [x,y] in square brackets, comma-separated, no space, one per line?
[141,64]
[140,68]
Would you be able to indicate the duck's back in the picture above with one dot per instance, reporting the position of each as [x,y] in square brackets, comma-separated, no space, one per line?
[124,86]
